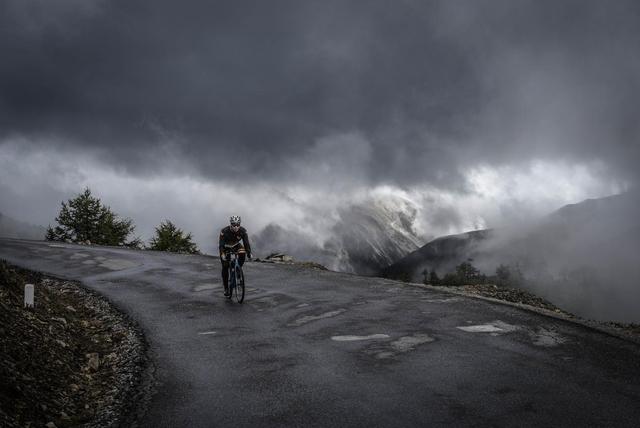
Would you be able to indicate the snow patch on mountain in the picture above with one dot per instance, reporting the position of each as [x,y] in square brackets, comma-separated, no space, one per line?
[360,238]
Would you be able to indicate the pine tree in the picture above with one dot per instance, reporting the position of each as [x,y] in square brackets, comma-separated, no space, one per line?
[170,238]
[425,276]
[84,218]
[433,278]
[467,273]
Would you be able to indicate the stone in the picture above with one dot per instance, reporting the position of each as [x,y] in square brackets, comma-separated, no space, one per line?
[60,319]
[280,257]
[93,361]
[51,425]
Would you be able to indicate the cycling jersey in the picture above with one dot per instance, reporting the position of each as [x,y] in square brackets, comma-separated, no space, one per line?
[229,237]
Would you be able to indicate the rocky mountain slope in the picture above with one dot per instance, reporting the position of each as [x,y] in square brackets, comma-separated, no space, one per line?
[363,237]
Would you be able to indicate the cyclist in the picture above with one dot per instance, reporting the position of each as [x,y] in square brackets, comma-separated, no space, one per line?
[231,236]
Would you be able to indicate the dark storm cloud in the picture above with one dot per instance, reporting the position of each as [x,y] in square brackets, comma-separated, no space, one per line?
[432,87]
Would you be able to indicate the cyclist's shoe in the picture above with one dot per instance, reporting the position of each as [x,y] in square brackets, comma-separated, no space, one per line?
[227,292]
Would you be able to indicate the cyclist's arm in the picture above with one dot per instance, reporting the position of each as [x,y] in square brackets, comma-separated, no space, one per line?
[221,243]
[245,240]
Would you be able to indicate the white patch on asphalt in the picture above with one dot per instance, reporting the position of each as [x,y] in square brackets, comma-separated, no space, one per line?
[100,258]
[88,262]
[407,343]
[302,305]
[204,287]
[494,327]
[79,256]
[547,338]
[207,332]
[309,318]
[268,300]
[404,344]
[354,338]
[57,246]
[504,326]
[447,300]
[482,328]
[118,264]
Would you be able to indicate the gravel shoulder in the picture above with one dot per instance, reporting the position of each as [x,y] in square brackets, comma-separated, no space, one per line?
[72,360]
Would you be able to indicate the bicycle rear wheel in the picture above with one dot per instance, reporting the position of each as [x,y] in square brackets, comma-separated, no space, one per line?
[239,281]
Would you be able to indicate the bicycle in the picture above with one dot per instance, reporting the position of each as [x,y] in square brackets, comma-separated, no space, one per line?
[236,276]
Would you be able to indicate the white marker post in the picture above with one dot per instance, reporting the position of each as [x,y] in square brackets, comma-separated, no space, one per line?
[28,295]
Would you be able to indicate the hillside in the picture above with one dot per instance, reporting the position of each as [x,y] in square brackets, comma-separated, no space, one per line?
[582,257]
[442,255]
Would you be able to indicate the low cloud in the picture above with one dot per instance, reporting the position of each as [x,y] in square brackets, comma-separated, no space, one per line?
[33,184]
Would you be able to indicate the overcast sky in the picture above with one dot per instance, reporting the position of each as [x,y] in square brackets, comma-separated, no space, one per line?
[476,111]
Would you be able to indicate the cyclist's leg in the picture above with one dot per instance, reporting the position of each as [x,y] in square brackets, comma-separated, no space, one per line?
[225,273]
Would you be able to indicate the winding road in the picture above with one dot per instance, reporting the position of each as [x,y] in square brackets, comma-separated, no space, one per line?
[319,348]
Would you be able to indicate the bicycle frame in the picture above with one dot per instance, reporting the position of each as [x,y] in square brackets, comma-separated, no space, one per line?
[235,275]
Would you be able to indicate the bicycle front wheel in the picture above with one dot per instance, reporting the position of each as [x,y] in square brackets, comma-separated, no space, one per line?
[239,280]
[231,282]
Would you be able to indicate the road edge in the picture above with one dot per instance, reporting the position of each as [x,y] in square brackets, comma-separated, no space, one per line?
[591,324]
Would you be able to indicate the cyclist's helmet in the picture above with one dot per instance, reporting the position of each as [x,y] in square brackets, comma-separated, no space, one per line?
[234,220]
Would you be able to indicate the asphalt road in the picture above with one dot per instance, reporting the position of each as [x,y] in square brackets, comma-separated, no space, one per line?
[315,348]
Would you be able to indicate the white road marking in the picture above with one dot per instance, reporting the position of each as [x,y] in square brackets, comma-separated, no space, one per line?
[57,246]
[207,332]
[354,338]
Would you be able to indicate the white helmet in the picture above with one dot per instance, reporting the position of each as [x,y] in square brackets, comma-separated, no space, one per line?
[234,220]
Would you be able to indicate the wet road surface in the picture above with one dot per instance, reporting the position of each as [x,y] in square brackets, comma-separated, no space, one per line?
[319,348]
